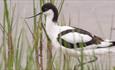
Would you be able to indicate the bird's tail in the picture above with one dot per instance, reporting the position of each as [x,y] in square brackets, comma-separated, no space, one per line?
[113,43]
[106,43]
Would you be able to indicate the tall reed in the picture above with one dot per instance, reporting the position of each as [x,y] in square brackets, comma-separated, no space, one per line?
[8,27]
[13,44]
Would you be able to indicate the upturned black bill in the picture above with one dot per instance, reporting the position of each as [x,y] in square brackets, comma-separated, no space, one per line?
[34,15]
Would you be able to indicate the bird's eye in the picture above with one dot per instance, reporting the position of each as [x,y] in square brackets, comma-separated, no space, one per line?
[45,9]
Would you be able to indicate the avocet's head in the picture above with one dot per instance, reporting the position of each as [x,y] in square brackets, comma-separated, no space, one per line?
[50,11]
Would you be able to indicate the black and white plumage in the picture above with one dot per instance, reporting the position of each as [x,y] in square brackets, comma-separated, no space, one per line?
[67,37]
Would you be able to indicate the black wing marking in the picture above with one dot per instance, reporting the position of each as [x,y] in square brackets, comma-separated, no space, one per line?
[95,39]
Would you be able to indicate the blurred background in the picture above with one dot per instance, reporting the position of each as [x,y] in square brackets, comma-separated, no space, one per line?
[95,16]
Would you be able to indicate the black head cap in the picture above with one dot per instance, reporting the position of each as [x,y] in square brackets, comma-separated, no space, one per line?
[48,6]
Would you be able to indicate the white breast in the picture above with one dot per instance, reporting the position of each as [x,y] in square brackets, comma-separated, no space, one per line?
[53,31]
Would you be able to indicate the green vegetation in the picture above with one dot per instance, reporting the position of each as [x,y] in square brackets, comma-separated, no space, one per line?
[12,50]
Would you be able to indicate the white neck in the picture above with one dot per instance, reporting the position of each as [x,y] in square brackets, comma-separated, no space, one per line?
[51,27]
[50,24]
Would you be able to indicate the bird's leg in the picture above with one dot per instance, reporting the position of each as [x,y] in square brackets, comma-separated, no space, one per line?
[78,65]
[95,58]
